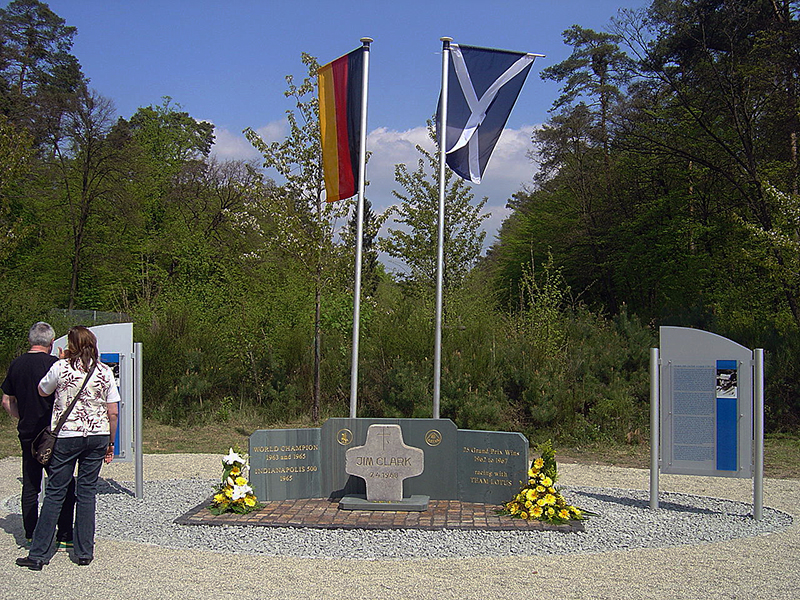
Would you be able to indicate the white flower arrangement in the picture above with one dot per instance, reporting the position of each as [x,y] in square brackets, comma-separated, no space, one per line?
[234,494]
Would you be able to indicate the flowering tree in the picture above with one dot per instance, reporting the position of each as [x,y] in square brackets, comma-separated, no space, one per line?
[303,222]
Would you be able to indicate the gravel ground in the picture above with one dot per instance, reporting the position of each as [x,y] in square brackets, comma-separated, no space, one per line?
[624,521]
[701,544]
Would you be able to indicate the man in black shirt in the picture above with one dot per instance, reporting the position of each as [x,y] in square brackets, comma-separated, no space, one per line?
[21,400]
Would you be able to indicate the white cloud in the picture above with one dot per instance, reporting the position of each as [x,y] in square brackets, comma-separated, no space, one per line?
[274,131]
[233,145]
[509,161]
[508,170]
[398,145]
[390,148]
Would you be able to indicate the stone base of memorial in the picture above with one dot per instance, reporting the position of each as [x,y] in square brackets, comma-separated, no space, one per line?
[321,513]
[416,503]
[384,462]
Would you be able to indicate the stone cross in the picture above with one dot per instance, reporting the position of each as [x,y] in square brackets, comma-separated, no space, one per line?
[384,461]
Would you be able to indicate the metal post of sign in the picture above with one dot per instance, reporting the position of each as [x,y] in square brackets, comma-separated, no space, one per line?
[654,426]
[758,425]
[138,416]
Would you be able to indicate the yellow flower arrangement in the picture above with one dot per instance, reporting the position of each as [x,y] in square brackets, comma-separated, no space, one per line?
[540,500]
[234,494]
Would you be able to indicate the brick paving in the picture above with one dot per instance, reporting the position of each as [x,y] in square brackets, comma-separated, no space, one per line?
[322,513]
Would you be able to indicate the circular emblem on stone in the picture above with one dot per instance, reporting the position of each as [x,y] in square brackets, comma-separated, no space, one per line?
[433,438]
[344,437]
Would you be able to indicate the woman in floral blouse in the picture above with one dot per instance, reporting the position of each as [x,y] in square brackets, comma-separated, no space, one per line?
[86,438]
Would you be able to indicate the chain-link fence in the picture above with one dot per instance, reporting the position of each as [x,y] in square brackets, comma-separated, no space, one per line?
[90,318]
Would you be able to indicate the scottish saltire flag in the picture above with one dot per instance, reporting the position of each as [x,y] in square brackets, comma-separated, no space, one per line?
[483,85]
[340,86]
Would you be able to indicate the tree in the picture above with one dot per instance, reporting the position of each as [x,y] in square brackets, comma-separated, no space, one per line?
[170,137]
[594,73]
[574,148]
[416,243]
[90,165]
[165,140]
[371,267]
[723,76]
[212,200]
[15,157]
[304,223]
[38,75]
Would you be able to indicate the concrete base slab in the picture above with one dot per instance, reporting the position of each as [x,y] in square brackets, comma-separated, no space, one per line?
[416,503]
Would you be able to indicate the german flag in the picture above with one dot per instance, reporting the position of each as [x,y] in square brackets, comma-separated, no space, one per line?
[340,90]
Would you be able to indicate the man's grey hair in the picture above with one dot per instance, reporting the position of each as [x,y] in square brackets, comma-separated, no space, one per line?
[41,334]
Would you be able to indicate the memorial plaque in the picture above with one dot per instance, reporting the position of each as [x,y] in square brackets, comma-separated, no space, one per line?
[285,464]
[492,465]
[437,438]
[384,462]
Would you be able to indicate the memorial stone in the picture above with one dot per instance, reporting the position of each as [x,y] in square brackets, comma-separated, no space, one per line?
[492,465]
[285,464]
[436,437]
[459,464]
[384,462]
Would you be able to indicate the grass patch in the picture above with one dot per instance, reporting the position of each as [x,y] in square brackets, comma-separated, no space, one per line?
[629,455]
[781,455]
[9,441]
[781,450]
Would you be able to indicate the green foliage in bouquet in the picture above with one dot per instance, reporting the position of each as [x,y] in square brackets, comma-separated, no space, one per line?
[540,499]
[234,494]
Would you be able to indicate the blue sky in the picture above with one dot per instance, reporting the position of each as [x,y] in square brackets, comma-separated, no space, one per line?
[226,62]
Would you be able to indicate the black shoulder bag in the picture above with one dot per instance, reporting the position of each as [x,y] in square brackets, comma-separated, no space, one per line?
[43,444]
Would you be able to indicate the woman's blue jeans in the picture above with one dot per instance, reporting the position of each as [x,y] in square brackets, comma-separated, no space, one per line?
[31,486]
[88,453]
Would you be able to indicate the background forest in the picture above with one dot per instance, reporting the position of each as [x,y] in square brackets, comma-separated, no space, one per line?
[665,193]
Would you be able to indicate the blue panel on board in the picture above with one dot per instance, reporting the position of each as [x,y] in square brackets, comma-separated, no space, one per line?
[112,360]
[727,444]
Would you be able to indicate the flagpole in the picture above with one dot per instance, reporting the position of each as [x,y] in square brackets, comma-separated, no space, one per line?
[362,166]
[437,351]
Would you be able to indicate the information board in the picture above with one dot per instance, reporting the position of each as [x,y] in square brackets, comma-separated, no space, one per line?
[115,343]
[706,404]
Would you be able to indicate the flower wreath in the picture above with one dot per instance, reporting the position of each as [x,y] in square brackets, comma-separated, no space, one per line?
[234,494]
[540,500]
